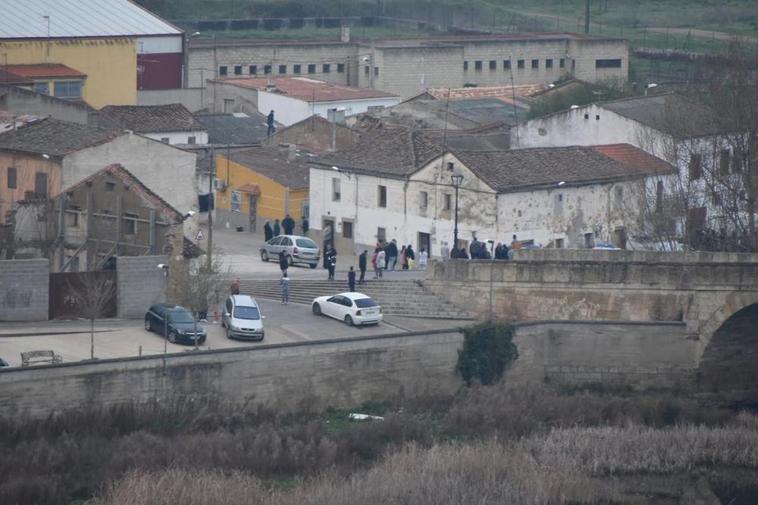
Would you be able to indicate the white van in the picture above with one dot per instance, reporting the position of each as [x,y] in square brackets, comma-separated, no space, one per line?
[242,318]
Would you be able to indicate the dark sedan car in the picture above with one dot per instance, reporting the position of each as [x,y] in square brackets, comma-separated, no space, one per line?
[175,322]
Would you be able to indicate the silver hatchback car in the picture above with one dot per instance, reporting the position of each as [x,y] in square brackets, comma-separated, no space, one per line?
[242,318]
[298,249]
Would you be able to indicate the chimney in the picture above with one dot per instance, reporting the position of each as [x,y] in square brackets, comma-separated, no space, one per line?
[345,34]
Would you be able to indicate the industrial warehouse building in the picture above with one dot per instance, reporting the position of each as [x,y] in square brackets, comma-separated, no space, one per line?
[98,51]
[406,67]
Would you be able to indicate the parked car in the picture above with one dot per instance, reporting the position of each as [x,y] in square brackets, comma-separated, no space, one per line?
[3,363]
[297,248]
[176,322]
[352,308]
[242,318]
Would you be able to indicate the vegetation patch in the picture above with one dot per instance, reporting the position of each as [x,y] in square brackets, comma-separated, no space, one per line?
[488,351]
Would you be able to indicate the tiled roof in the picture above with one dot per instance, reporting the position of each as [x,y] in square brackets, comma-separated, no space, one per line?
[7,77]
[520,169]
[289,169]
[149,118]
[308,90]
[238,128]
[635,159]
[54,137]
[42,70]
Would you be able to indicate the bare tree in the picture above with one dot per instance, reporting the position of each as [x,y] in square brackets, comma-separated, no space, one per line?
[193,284]
[93,294]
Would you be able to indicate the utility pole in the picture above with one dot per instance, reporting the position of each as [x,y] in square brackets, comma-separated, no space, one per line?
[587,16]
[211,206]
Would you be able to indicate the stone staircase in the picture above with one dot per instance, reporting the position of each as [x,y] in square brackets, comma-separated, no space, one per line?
[406,298]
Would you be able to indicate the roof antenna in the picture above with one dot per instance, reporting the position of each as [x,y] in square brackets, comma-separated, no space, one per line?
[444,130]
[513,95]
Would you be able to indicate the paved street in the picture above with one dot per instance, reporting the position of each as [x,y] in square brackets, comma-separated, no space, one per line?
[122,338]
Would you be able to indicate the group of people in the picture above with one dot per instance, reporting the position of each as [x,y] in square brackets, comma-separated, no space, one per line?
[386,256]
[479,251]
[287,226]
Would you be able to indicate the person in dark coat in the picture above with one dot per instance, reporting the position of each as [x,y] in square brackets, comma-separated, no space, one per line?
[277,228]
[305,225]
[288,224]
[351,279]
[462,254]
[283,263]
[331,262]
[270,124]
[362,261]
[268,232]
[391,251]
[409,253]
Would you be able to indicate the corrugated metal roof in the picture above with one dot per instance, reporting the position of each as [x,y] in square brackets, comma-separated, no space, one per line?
[25,19]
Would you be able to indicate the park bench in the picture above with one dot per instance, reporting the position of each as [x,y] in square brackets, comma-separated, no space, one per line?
[34,357]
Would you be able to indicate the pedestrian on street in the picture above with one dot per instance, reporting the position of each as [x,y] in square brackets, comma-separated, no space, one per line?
[410,257]
[283,263]
[284,282]
[235,287]
[402,261]
[351,279]
[445,251]
[362,260]
[288,224]
[268,232]
[305,225]
[423,258]
[277,228]
[331,261]
[270,124]
[391,252]
[381,258]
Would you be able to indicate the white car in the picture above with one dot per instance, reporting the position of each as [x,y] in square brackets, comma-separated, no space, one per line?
[352,308]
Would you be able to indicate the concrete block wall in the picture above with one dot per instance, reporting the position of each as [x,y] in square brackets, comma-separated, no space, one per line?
[24,290]
[140,284]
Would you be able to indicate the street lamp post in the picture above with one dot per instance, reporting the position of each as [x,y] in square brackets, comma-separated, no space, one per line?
[457,180]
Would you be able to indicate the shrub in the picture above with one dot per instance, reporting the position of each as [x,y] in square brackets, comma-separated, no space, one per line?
[488,350]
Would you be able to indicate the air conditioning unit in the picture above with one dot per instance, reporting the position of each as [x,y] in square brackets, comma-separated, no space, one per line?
[220,184]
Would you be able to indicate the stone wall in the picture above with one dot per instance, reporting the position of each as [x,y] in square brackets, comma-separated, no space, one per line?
[21,101]
[140,284]
[24,290]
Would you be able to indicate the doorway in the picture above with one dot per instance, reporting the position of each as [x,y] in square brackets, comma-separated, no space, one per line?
[327,225]
[424,242]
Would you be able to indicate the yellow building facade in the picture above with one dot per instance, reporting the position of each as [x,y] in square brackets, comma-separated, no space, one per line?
[109,63]
[246,194]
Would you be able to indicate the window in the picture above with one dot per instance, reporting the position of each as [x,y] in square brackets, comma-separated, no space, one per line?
[297,69]
[448,202]
[237,69]
[110,186]
[235,202]
[12,184]
[614,63]
[130,223]
[548,63]
[450,166]
[267,69]
[738,160]
[42,87]
[695,166]
[382,196]
[68,89]
[253,69]
[724,160]
[191,140]
[520,63]
[311,68]
[336,195]
[478,65]
[423,200]
[493,65]
[381,234]
[535,64]
[72,218]
[340,68]
[164,140]
[506,64]
[559,243]
[376,71]
[282,69]
[347,229]
[40,183]
[659,197]
[228,107]
[465,66]
[589,240]
[326,68]
[222,70]
[562,63]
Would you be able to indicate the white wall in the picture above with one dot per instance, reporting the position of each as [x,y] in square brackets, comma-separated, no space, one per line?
[201,137]
[288,110]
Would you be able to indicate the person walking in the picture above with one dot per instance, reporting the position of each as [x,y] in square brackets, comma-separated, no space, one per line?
[284,282]
[268,232]
[270,124]
[277,228]
[351,279]
[423,259]
[305,225]
[410,257]
[283,263]
[362,260]
[235,287]
[331,262]
[391,252]
[373,261]
[402,260]
[288,224]
[381,262]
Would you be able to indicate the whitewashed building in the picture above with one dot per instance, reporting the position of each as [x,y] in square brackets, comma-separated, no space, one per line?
[398,185]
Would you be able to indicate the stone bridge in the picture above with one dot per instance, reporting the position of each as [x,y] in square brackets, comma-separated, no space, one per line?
[714,297]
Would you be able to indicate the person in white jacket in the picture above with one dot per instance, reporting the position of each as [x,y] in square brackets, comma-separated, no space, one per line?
[423,259]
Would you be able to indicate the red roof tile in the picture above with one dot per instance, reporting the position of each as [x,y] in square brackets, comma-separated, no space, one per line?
[635,158]
[309,90]
[43,70]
